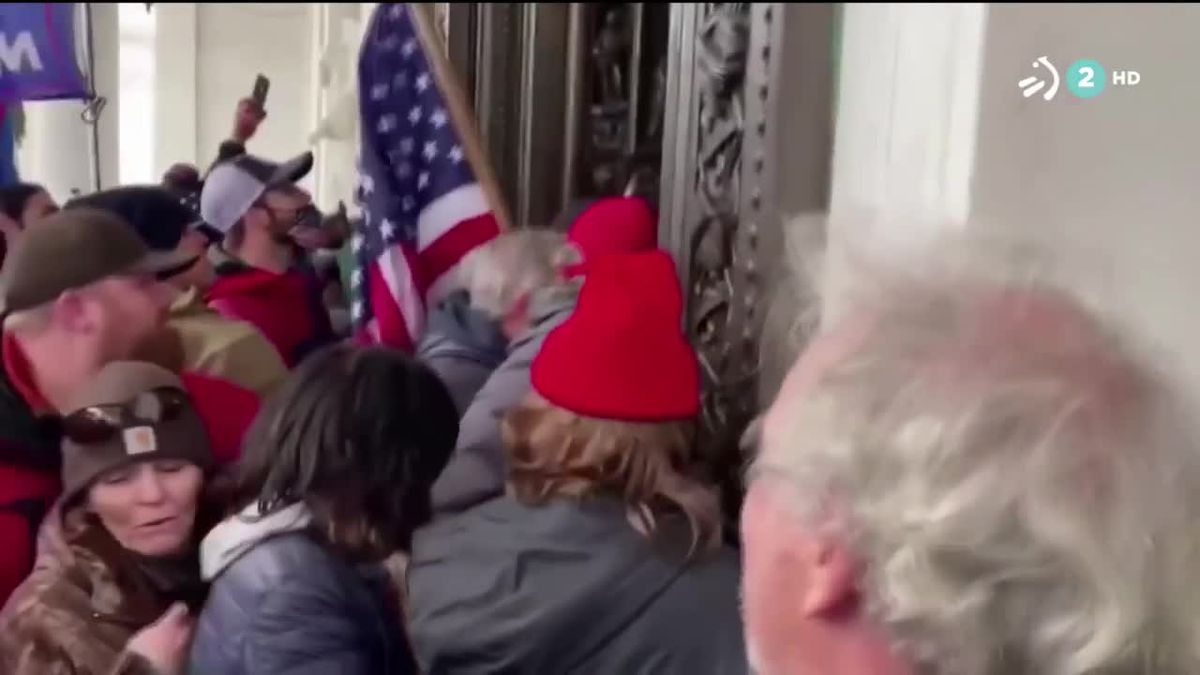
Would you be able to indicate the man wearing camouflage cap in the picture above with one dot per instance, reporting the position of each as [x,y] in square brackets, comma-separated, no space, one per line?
[80,292]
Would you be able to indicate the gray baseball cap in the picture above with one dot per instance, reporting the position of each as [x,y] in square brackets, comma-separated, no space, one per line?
[233,186]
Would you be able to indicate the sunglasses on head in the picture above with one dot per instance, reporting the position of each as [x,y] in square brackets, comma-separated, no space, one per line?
[100,423]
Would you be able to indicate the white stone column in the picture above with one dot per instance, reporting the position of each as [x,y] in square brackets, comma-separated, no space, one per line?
[56,150]
[907,121]
[175,130]
[335,136]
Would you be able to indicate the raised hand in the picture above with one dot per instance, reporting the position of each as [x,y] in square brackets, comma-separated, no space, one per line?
[165,642]
[246,120]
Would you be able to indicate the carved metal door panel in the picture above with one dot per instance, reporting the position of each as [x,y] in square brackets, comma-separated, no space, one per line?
[730,103]
[569,97]
[748,139]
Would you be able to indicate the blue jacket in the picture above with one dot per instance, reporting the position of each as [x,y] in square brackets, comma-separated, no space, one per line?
[282,603]
[463,346]
[479,466]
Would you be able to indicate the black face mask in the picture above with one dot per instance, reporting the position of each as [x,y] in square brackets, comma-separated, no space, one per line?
[309,216]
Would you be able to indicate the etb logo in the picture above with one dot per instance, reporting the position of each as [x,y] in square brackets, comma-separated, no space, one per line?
[1085,78]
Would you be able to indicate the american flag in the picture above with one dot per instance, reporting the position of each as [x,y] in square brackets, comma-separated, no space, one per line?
[422,207]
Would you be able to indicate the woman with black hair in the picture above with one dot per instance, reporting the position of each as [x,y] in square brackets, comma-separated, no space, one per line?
[21,206]
[26,203]
[334,479]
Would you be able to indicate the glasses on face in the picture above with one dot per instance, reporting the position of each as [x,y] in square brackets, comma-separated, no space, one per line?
[101,423]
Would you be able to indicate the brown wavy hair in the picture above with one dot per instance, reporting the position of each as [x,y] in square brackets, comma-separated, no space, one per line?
[554,452]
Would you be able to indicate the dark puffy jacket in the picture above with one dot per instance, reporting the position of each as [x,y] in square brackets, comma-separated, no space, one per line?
[478,468]
[570,587]
[463,346]
[282,603]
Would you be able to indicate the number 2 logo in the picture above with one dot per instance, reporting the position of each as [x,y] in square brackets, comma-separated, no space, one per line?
[1086,78]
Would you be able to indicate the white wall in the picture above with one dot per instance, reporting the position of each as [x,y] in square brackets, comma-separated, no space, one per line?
[209,56]
[1117,176]
[136,28]
[339,32]
[1114,180]
[906,124]
[56,149]
[175,86]
[236,42]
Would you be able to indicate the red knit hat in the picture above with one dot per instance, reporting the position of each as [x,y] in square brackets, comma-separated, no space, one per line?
[613,225]
[622,355]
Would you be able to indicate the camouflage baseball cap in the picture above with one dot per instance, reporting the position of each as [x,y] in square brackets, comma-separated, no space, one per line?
[74,248]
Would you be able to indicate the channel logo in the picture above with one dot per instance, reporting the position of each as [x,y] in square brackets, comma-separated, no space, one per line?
[1085,78]
[1034,83]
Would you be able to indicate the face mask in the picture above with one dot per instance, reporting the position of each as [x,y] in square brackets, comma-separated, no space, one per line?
[309,216]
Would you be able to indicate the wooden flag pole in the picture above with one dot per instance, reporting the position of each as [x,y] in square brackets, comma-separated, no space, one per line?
[460,113]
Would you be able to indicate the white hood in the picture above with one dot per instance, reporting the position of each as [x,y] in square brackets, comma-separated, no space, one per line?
[238,534]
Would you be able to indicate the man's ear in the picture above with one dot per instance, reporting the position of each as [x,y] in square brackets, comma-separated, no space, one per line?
[71,312]
[832,577]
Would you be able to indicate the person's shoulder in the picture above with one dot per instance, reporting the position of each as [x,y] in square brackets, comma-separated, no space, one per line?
[208,389]
[281,560]
[709,579]
[555,306]
[217,329]
[214,333]
[226,409]
[47,607]
[724,565]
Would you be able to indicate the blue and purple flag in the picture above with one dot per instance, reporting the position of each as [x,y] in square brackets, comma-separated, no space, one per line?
[38,58]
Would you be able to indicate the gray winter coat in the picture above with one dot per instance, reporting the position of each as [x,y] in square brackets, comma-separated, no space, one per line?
[477,470]
[284,604]
[570,587]
[463,346]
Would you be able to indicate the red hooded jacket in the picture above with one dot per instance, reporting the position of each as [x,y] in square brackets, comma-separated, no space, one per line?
[286,308]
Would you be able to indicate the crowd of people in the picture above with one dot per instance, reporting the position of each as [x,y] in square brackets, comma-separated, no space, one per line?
[963,473]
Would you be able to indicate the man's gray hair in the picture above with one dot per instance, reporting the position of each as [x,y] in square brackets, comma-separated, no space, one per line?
[1021,487]
[515,264]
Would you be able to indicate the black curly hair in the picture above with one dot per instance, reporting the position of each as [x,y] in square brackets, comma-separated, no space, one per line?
[13,198]
[359,436]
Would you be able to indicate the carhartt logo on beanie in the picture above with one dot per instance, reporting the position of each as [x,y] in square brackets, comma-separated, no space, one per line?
[612,225]
[622,354]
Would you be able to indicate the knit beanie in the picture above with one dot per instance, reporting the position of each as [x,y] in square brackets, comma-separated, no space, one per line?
[177,434]
[622,354]
[612,225]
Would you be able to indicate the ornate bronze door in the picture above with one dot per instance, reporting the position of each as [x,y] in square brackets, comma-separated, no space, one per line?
[748,141]
[569,97]
[720,112]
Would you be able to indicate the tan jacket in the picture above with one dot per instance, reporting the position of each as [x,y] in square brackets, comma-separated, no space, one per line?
[225,348]
[71,616]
